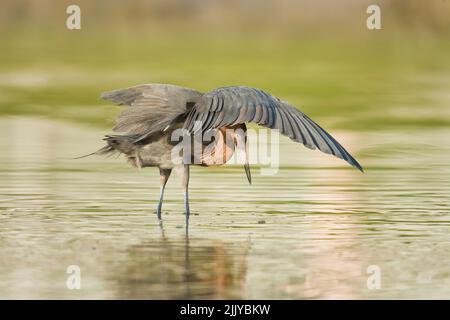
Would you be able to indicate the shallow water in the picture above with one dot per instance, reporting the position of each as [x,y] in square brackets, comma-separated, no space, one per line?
[310,231]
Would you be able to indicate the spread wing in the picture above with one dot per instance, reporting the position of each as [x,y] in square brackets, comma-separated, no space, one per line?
[233,105]
[152,107]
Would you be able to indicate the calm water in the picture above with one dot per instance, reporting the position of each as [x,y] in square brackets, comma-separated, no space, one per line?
[310,231]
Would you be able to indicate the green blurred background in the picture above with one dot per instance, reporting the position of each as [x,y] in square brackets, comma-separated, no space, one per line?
[310,231]
[318,55]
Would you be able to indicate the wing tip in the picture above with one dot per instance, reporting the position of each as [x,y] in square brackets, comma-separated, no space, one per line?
[356,164]
[107,95]
[116,96]
[359,167]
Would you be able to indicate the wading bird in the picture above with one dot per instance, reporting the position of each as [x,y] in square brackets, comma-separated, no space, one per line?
[155,111]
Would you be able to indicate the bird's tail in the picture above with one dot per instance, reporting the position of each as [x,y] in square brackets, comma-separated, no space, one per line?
[102,151]
[125,144]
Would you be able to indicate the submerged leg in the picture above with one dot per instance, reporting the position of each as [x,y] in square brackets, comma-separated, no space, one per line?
[183,171]
[164,177]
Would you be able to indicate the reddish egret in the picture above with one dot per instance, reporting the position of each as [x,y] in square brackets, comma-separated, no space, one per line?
[155,111]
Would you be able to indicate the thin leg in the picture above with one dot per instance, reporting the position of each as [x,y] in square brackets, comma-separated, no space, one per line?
[183,171]
[186,207]
[164,177]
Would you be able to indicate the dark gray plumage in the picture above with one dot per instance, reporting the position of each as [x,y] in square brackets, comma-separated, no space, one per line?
[233,105]
[154,106]
[156,110]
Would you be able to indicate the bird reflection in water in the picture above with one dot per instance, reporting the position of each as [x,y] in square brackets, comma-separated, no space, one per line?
[184,268]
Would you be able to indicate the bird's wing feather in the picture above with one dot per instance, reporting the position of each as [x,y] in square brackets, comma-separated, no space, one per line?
[233,105]
[152,106]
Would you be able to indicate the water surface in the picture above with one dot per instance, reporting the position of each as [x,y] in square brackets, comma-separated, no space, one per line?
[310,231]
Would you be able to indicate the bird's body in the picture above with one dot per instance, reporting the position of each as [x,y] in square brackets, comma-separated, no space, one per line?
[158,112]
[153,152]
